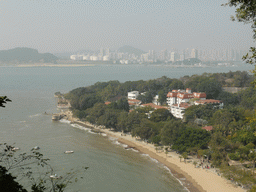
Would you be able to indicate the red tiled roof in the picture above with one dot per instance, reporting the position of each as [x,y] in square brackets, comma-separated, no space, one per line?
[199,95]
[133,101]
[206,101]
[172,94]
[107,102]
[185,95]
[208,128]
[154,106]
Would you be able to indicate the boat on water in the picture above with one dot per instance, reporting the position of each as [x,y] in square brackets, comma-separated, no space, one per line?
[15,149]
[36,148]
[67,152]
[55,176]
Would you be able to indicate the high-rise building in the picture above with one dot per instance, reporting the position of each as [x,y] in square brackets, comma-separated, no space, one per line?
[174,56]
[102,51]
[182,57]
[232,55]
[194,53]
[152,54]
[163,55]
[107,52]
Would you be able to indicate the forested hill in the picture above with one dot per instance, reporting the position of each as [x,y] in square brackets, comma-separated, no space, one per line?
[25,55]
[211,84]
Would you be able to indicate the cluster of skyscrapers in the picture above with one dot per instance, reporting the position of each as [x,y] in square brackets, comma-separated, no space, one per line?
[203,55]
[104,54]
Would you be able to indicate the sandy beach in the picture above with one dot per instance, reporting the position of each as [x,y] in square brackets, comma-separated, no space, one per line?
[196,179]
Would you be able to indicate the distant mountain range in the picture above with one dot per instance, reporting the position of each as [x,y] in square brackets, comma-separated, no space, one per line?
[29,55]
[26,55]
[130,50]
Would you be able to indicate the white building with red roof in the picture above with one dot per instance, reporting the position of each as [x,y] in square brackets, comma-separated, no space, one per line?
[177,110]
[178,100]
[183,96]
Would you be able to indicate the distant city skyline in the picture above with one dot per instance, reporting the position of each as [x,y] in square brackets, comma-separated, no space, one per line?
[173,55]
[68,26]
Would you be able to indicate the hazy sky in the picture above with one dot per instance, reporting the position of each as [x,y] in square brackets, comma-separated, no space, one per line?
[70,25]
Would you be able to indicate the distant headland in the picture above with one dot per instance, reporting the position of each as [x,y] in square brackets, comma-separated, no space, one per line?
[21,55]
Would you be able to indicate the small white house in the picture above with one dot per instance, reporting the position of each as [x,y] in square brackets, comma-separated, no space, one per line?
[155,100]
[133,94]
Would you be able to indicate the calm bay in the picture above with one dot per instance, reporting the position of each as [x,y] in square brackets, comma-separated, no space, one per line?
[111,167]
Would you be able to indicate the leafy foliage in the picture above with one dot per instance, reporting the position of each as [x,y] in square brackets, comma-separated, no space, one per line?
[246,13]
[4,100]
[191,137]
[160,115]
[33,167]
[8,183]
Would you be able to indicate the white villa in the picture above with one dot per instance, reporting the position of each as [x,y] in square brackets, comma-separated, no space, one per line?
[178,100]
[155,100]
[183,96]
[177,110]
[133,94]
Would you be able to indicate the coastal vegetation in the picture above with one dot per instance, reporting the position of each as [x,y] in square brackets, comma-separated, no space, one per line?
[232,137]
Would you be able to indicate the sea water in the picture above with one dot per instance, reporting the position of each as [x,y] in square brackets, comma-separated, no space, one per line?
[111,167]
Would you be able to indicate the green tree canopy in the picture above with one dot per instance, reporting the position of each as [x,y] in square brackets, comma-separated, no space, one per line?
[246,13]
[170,131]
[160,115]
[203,83]
[192,137]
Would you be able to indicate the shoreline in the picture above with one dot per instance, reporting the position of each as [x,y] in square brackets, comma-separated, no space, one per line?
[174,170]
[196,179]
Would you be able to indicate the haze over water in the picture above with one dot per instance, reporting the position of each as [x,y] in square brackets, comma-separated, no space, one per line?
[111,167]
